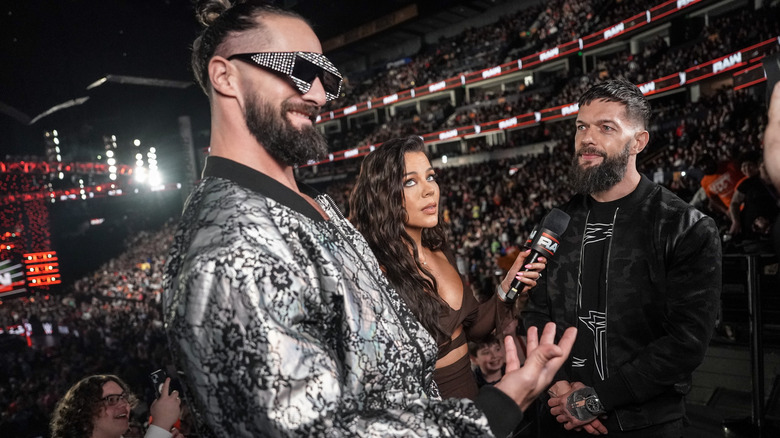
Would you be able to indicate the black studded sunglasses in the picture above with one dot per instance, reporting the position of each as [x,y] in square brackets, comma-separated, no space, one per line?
[301,67]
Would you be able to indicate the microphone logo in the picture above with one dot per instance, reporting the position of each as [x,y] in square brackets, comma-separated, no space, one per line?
[543,241]
[548,243]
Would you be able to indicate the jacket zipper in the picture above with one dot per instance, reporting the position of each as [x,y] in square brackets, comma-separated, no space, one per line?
[606,288]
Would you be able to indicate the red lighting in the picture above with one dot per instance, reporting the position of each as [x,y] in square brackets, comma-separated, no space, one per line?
[42,269]
[40,257]
[44,280]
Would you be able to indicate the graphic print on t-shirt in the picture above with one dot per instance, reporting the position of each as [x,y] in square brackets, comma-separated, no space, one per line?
[597,323]
[591,309]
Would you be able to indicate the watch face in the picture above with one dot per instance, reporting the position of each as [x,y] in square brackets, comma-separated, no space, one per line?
[593,405]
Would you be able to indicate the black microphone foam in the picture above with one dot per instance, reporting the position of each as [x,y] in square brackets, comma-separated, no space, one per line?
[544,241]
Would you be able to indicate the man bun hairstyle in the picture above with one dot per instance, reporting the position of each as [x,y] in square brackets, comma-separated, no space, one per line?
[207,11]
[622,91]
[221,19]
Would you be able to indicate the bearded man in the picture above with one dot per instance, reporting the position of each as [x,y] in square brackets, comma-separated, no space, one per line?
[638,272]
[280,320]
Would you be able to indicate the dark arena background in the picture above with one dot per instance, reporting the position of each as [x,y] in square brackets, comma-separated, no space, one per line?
[103,134]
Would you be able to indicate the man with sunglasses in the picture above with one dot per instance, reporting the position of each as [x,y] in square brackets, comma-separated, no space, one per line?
[277,312]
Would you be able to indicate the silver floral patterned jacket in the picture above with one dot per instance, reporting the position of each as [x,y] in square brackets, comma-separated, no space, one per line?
[283,324]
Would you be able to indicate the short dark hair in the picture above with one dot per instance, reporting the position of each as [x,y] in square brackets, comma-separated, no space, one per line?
[220,19]
[74,416]
[623,91]
[485,341]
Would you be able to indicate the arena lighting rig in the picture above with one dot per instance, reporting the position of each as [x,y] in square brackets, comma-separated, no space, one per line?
[28,187]
[81,191]
[49,178]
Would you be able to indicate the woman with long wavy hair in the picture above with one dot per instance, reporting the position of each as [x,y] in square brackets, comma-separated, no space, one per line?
[395,205]
[99,407]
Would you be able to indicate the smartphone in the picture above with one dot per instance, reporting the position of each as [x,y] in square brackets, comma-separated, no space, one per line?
[158,378]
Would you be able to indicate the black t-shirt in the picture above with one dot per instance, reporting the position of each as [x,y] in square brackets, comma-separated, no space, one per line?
[589,355]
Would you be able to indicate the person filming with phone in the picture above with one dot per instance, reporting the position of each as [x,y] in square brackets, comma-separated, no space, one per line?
[99,407]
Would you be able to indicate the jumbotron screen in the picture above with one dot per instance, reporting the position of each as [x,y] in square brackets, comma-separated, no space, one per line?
[12,278]
[32,270]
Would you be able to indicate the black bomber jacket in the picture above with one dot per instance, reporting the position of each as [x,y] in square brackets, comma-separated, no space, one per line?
[663,296]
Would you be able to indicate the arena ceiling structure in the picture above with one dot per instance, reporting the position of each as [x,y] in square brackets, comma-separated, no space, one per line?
[90,68]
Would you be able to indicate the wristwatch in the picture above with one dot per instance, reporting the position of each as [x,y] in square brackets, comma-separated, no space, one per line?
[584,404]
[593,405]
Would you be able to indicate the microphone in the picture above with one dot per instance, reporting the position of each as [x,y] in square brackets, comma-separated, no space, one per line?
[544,241]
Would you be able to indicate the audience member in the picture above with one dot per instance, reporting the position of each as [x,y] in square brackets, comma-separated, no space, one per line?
[99,407]
[94,330]
[488,359]
[719,182]
[754,205]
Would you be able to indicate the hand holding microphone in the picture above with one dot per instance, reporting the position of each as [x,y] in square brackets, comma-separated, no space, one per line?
[543,242]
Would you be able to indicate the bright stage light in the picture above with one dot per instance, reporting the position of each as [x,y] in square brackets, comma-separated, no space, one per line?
[155,178]
[140,174]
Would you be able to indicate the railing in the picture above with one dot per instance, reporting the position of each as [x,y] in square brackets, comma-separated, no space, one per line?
[630,24]
[745,65]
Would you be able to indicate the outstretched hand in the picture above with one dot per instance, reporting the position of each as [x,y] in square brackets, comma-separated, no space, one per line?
[543,360]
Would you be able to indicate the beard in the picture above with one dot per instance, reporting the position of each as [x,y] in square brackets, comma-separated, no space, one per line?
[283,141]
[602,177]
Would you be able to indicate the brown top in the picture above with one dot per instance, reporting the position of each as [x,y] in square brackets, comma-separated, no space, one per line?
[478,320]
